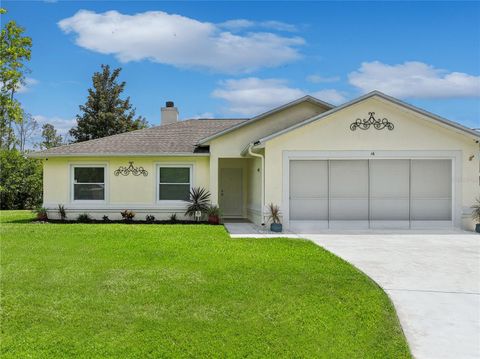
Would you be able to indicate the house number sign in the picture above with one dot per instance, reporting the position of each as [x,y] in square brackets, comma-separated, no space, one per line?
[365,124]
[125,171]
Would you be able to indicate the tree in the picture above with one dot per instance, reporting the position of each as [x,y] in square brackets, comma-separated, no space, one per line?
[50,138]
[26,128]
[20,180]
[15,50]
[105,113]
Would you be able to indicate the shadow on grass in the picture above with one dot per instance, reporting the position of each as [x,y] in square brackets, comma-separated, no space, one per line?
[29,220]
[17,216]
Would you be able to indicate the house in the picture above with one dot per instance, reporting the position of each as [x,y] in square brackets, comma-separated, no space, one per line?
[373,162]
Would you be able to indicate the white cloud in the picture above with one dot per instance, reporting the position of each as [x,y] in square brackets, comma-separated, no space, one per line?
[252,95]
[279,26]
[61,125]
[316,79]
[242,24]
[330,95]
[414,80]
[29,82]
[237,24]
[179,41]
[203,115]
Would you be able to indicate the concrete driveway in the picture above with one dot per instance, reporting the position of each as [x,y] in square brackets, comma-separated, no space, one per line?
[432,279]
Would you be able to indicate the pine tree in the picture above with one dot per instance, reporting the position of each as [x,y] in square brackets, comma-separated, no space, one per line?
[105,113]
[50,138]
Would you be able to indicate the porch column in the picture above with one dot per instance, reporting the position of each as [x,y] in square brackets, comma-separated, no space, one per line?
[214,179]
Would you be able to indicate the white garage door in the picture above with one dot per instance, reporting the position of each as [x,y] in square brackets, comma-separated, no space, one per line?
[369,193]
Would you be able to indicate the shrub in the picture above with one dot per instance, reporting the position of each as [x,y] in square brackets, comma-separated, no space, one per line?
[199,200]
[213,211]
[173,218]
[127,215]
[62,212]
[41,213]
[150,218]
[105,218]
[213,214]
[20,181]
[83,218]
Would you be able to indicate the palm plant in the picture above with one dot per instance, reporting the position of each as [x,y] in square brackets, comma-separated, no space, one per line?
[274,213]
[274,217]
[199,201]
[41,213]
[214,214]
[62,212]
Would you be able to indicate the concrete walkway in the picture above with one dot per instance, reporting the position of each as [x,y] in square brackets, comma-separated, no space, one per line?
[250,230]
[432,279]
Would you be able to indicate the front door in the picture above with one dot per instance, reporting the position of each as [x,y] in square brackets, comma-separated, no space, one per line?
[231,198]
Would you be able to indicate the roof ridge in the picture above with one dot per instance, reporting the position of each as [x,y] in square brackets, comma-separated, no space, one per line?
[177,137]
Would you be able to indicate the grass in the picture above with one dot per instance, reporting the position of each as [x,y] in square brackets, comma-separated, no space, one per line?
[139,291]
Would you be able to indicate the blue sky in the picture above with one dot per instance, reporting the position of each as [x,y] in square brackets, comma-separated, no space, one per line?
[237,59]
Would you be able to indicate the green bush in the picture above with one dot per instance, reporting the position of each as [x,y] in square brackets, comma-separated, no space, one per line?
[127,215]
[84,218]
[150,218]
[41,213]
[21,181]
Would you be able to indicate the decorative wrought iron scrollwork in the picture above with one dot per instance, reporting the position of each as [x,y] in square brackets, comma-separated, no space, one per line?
[378,124]
[125,171]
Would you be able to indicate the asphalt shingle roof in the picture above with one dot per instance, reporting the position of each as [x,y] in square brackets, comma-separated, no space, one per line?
[179,137]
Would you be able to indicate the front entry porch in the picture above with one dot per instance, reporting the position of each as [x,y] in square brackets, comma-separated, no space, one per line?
[239,189]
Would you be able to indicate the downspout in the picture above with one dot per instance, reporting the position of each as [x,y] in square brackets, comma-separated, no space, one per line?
[262,199]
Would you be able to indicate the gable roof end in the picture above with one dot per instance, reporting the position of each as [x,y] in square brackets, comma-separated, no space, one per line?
[306,98]
[447,123]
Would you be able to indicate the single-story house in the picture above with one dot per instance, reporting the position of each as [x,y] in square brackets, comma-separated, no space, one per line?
[373,162]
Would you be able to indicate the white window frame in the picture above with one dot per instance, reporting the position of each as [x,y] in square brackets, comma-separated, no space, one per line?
[72,182]
[157,182]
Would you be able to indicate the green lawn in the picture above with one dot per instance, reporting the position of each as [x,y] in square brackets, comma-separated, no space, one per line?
[138,291]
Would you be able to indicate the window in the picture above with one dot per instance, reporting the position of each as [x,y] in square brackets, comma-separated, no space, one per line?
[88,183]
[174,183]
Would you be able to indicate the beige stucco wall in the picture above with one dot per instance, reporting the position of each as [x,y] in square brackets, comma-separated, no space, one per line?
[122,192]
[233,143]
[412,132]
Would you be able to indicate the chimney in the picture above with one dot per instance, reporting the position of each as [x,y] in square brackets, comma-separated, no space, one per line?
[169,113]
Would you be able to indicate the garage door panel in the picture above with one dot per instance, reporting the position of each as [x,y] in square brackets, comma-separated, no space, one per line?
[308,179]
[348,178]
[431,210]
[309,190]
[393,209]
[431,178]
[309,209]
[389,178]
[431,190]
[389,191]
[349,209]
[348,190]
